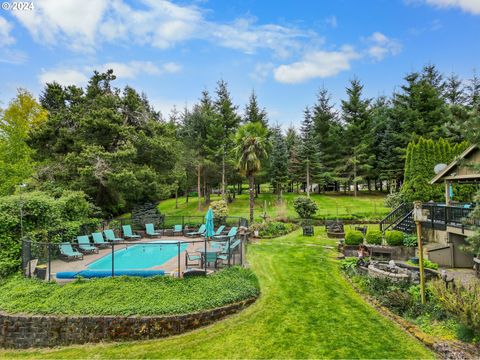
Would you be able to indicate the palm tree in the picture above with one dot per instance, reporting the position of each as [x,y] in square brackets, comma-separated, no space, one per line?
[251,147]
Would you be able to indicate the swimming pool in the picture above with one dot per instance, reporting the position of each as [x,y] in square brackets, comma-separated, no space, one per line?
[140,256]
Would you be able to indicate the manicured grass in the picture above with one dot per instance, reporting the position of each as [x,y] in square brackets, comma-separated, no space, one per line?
[306,310]
[364,207]
[128,296]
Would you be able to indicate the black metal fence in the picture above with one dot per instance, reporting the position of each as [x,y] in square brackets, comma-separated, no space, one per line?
[440,216]
[165,252]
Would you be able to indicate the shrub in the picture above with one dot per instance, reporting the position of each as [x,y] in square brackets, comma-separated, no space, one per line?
[394,200]
[353,238]
[462,301]
[394,238]
[427,264]
[410,241]
[273,228]
[374,237]
[349,264]
[305,207]
[220,211]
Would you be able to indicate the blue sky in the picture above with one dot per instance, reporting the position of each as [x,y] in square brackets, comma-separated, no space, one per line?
[285,50]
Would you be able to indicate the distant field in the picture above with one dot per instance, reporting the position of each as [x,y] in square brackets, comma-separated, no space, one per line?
[332,206]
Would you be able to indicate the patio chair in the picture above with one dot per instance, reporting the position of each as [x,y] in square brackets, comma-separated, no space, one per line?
[212,257]
[150,231]
[110,236]
[227,252]
[98,240]
[67,252]
[84,245]
[218,244]
[230,236]
[192,258]
[128,233]
[219,231]
[201,230]
[177,230]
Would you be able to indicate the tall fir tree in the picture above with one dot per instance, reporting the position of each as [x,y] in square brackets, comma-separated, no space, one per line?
[227,122]
[295,171]
[253,112]
[308,150]
[278,162]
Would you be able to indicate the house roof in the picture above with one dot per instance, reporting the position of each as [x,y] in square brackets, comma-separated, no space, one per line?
[448,174]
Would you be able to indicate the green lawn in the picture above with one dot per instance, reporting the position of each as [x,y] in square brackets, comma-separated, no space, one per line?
[364,207]
[306,310]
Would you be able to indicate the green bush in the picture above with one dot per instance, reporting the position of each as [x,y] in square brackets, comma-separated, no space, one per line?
[410,241]
[354,237]
[394,238]
[45,218]
[273,228]
[220,211]
[427,264]
[374,237]
[305,207]
[131,295]
[462,301]
[393,200]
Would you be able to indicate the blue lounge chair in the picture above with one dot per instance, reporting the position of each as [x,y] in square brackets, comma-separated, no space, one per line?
[84,245]
[98,240]
[110,236]
[211,257]
[227,252]
[219,231]
[150,231]
[66,251]
[128,233]
[230,236]
[201,230]
[177,230]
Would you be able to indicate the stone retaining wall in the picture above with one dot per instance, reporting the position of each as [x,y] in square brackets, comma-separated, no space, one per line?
[24,331]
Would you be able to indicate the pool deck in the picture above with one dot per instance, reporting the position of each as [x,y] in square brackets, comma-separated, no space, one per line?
[170,267]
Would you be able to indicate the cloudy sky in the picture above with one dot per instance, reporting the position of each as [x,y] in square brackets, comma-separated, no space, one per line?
[285,50]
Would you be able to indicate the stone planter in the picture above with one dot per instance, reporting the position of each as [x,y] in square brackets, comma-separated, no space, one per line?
[335,235]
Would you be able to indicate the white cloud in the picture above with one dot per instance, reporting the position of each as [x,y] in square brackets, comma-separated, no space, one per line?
[470,6]
[5,32]
[331,21]
[317,64]
[380,46]
[74,22]
[262,71]
[83,25]
[128,70]
[63,76]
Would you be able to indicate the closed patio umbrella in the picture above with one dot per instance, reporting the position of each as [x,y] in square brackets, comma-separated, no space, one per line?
[209,227]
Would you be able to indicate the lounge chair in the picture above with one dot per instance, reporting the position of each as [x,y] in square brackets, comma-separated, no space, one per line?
[191,258]
[212,257]
[84,245]
[150,231]
[66,251]
[128,233]
[201,230]
[110,236]
[98,240]
[218,244]
[230,236]
[219,231]
[177,230]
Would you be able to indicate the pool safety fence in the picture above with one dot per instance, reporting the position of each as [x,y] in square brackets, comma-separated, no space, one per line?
[165,252]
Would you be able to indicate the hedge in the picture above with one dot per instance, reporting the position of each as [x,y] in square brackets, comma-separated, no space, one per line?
[374,237]
[394,238]
[353,237]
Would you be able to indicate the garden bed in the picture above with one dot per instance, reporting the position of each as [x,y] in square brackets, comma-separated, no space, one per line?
[128,296]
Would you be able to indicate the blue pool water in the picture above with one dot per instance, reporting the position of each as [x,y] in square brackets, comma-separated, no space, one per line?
[140,256]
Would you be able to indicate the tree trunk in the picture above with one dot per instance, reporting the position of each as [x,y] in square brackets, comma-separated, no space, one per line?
[199,187]
[204,187]
[223,175]
[251,189]
[308,179]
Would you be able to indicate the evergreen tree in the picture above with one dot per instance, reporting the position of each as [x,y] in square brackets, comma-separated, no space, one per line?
[293,143]
[279,162]
[253,113]
[308,150]
[473,91]
[454,92]
[358,133]
[327,134]
[226,124]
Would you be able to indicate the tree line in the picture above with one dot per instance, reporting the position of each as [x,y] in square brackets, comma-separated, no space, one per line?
[112,144]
